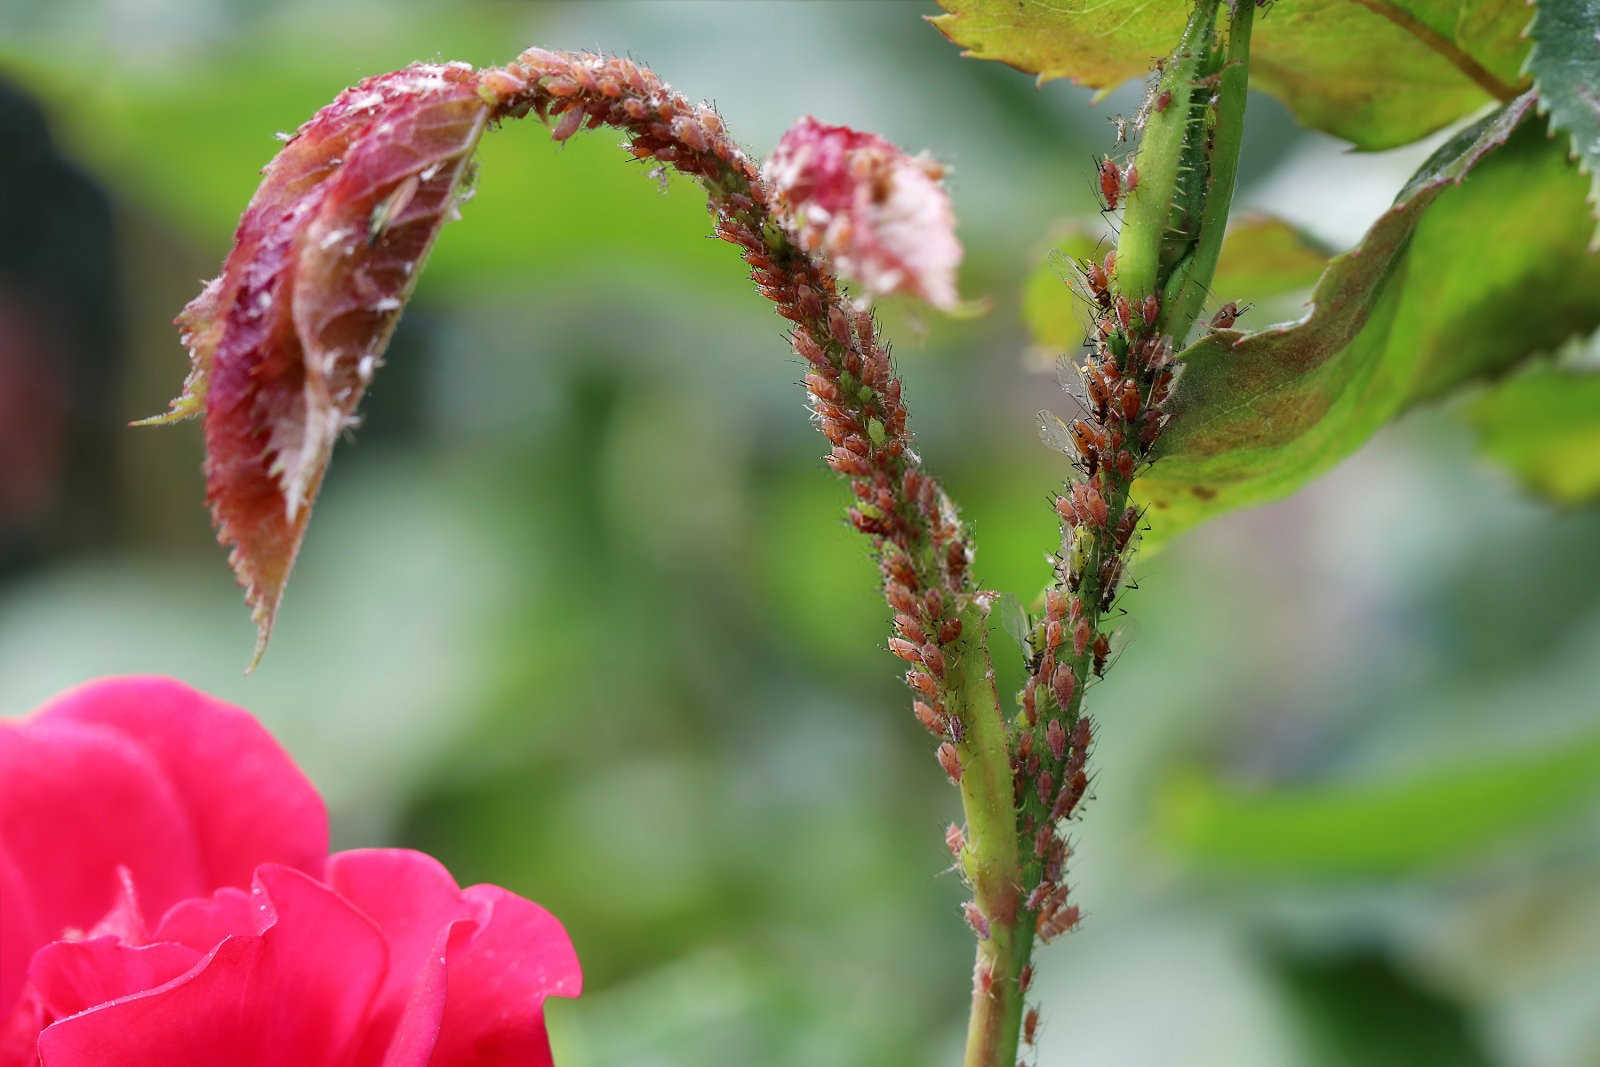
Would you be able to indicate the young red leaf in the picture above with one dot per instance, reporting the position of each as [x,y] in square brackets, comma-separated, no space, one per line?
[283,343]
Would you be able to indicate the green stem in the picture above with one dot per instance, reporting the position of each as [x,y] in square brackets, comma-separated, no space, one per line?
[1161,147]
[990,858]
[1191,282]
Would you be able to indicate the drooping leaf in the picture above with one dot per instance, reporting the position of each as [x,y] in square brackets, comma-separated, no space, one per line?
[1346,829]
[1544,424]
[1565,64]
[283,342]
[1377,74]
[1459,280]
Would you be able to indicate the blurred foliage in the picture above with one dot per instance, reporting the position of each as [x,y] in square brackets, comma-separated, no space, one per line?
[581,616]
[1545,425]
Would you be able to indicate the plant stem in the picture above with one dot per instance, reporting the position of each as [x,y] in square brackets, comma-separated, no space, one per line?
[990,859]
[1191,282]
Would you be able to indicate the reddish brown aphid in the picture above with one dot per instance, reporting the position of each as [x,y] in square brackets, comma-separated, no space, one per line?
[910,628]
[934,659]
[1130,178]
[1163,101]
[950,761]
[1080,641]
[1063,683]
[949,631]
[905,650]
[1025,979]
[976,919]
[1095,275]
[931,720]
[1102,649]
[1128,400]
[1150,309]
[983,979]
[1085,438]
[1225,317]
[955,840]
[1030,1026]
[1057,736]
[1124,312]
[1110,183]
[901,600]
[923,683]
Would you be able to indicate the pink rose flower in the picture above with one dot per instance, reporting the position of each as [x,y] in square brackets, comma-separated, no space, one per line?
[883,217]
[168,899]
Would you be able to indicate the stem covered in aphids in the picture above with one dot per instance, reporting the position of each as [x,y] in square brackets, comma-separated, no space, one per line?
[1163,145]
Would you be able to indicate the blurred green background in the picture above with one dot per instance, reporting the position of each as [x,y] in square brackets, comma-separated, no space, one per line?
[579,613]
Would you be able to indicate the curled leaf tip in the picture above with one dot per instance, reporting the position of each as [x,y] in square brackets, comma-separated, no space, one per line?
[883,217]
[284,342]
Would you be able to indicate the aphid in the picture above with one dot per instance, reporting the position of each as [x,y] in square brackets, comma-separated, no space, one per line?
[1128,400]
[950,761]
[1063,683]
[1110,183]
[933,659]
[1150,309]
[1085,438]
[1030,1026]
[905,650]
[949,631]
[923,683]
[1025,979]
[1163,101]
[983,978]
[912,630]
[1130,178]
[1102,648]
[932,721]
[955,840]
[1057,736]
[1124,312]
[976,919]
[1095,275]
[1227,314]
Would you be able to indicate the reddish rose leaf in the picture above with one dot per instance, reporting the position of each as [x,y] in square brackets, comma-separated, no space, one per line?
[283,343]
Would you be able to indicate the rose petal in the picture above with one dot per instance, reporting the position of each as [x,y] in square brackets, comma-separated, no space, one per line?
[245,800]
[296,994]
[201,922]
[79,800]
[419,908]
[69,977]
[497,980]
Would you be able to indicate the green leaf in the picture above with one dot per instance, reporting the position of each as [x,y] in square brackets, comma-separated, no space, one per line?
[1436,817]
[1379,73]
[1545,425]
[1565,64]
[1458,280]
